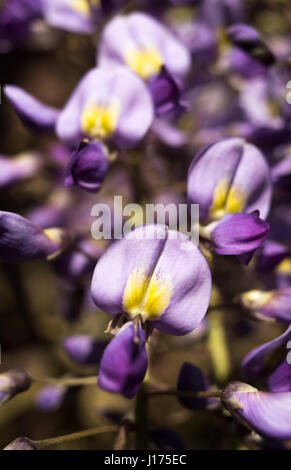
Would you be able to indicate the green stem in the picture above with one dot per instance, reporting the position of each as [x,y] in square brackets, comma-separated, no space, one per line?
[68,381]
[74,436]
[218,347]
[141,418]
[213,394]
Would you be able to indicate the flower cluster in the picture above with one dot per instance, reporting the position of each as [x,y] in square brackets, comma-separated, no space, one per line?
[171,103]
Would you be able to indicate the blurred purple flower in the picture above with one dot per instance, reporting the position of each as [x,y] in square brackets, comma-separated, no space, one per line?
[13,382]
[78,16]
[229,176]
[112,105]
[144,45]
[84,349]
[51,397]
[21,240]
[18,168]
[272,305]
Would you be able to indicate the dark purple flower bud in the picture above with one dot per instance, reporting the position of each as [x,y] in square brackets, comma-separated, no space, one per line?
[21,240]
[36,116]
[272,305]
[166,93]
[266,413]
[280,379]
[166,439]
[124,362]
[255,361]
[12,383]
[192,379]
[248,39]
[84,349]
[245,65]
[88,166]
[21,443]
[244,35]
[51,397]
[239,234]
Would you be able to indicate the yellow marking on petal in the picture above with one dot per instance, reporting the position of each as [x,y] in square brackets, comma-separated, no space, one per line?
[144,62]
[83,6]
[146,297]
[226,200]
[284,267]
[100,121]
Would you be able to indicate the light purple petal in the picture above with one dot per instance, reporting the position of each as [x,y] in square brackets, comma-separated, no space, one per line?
[236,163]
[267,413]
[254,362]
[189,278]
[141,31]
[38,117]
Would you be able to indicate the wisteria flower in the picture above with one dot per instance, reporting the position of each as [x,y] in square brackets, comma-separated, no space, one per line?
[144,45]
[137,280]
[110,105]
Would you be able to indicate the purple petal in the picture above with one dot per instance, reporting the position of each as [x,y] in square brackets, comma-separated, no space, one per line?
[147,253]
[102,87]
[237,234]
[88,167]
[51,397]
[13,382]
[239,169]
[267,413]
[192,379]
[21,167]
[21,240]
[84,349]
[38,117]
[280,379]
[65,14]
[124,362]
[21,443]
[254,362]
[139,31]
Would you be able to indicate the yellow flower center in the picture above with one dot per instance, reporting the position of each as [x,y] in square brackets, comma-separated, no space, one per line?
[227,199]
[83,6]
[147,297]
[99,121]
[144,62]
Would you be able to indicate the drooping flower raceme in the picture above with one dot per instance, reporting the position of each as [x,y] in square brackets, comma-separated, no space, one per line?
[153,277]
[108,105]
[236,190]
[144,45]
